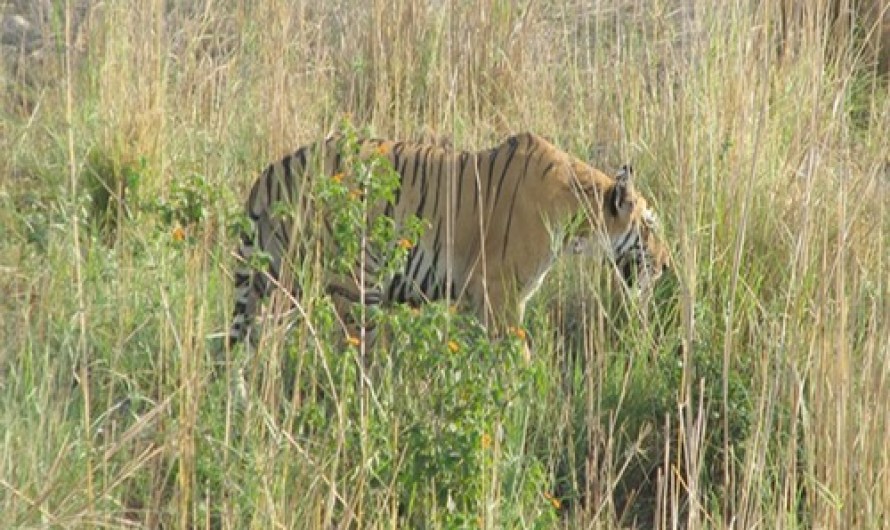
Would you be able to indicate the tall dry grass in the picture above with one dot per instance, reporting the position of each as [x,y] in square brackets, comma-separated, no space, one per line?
[751,393]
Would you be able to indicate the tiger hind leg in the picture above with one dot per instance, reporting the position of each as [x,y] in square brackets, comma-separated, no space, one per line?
[252,287]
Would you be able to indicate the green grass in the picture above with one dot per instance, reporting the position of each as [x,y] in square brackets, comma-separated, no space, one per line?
[749,392]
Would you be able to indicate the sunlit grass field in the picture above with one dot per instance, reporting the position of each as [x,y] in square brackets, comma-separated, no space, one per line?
[750,391]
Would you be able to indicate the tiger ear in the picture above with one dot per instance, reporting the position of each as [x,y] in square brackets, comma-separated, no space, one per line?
[623,195]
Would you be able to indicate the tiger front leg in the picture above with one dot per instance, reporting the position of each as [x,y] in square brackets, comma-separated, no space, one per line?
[499,308]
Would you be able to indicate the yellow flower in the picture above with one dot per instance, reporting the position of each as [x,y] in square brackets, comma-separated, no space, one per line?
[486,441]
[453,346]
[353,341]
[552,500]
[383,150]
[405,243]
[178,234]
[355,194]
[519,332]
[338,178]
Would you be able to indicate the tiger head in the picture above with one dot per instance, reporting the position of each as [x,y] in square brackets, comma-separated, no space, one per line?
[631,230]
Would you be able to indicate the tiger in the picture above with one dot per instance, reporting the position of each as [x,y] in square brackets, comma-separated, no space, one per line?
[496,221]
